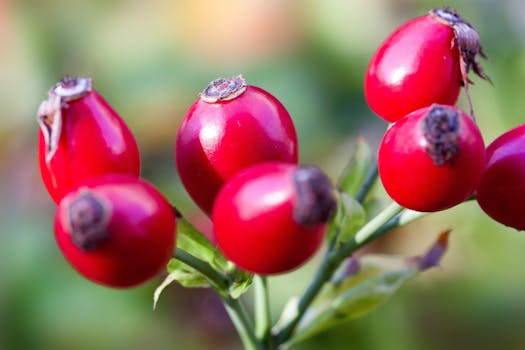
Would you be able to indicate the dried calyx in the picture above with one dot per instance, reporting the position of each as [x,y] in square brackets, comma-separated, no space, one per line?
[467,39]
[71,88]
[88,217]
[440,129]
[224,89]
[315,202]
[49,114]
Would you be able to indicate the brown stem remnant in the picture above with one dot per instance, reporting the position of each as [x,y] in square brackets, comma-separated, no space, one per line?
[467,40]
[440,129]
[49,115]
[88,217]
[224,89]
[315,201]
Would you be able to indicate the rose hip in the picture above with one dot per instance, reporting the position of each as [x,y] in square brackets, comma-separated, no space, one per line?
[424,61]
[431,159]
[271,218]
[230,127]
[81,137]
[503,183]
[116,230]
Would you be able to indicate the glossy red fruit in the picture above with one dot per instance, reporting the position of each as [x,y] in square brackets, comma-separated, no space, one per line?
[81,137]
[424,61]
[271,218]
[431,159]
[503,183]
[230,127]
[116,230]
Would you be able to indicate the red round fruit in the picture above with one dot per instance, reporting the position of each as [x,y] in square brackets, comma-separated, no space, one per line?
[424,61]
[81,137]
[503,183]
[230,127]
[116,230]
[431,159]
[271,218]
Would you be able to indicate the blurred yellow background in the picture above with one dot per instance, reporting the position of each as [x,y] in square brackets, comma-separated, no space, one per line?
[150,59]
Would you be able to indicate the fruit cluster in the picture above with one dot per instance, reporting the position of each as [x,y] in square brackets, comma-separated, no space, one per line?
[433,156]
[236,153]
[114,228]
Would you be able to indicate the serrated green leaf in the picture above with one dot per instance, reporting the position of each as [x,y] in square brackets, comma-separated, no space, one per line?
[194,242]
[349,218]
[355,171]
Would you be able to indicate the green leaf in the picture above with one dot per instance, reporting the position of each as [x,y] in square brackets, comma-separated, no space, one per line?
[355,171]
[352,297]
[186,275]
[194,242]
[363,284]
[290,311]
[349,218]
[241,282]
[190,240]
[182,273]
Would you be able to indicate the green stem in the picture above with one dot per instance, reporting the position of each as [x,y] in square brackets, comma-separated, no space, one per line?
[405,217]
[237,313]
[262,308]
[216,278]
[372,226]
[331,262]
[242,324]
[367,184]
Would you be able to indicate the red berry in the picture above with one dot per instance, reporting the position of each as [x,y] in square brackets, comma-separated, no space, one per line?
[81,137]
[431,159]
[424,61]
[270,218]
[503,183]
[230,127]
[116,230]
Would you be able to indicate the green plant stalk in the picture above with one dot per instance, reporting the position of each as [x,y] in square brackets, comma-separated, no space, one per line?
[403,218]
[263,320]
[219,281]
[259,338]
[331,262]
[242,324]
[235,310]
[367,184]
[371,227]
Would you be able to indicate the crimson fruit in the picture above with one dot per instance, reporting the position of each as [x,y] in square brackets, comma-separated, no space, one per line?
[431,159]
[503,183]
[270,218]
[230,127]
[116,230]
[81,137]
[424,61]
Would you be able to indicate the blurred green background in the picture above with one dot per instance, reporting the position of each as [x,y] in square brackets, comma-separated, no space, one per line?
[150,59]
